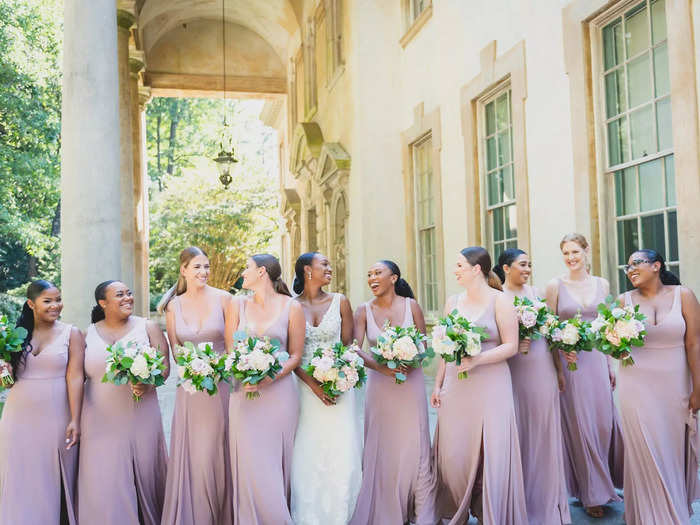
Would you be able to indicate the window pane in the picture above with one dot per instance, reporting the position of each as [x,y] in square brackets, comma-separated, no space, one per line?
[662,82]
[637,30]
[511,217]
[642,132]
[653,233]
[495,184]
[626,192]
[502,112]
[639,80]
[490,118]
[503,147]
[670,181]
[491,162]
[498,224]
[627,239]
[672,236]
[612,44]
[615,97]
[664,130]
[651,185]
[618,148]
[675,269]
[508,183]
[658,20]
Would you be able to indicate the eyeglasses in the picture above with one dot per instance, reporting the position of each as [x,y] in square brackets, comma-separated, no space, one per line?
[636,262]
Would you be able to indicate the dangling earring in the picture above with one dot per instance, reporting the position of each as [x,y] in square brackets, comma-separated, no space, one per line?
[309,274]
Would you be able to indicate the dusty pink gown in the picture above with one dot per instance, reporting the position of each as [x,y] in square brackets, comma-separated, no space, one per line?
[261,434]
[537,412]
[123,460]
[593,450]
[37,473]
[398,483]
[661,455]
[477,453]
[198,488]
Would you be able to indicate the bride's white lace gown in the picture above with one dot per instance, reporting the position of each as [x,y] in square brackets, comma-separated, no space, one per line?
[327,460]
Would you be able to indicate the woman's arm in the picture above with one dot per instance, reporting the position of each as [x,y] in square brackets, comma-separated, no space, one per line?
[418,317]
[442,367]
[170,326]
[231,321]
[347,322]
[75,380]
[360,328]
[157,340]
[691,314]
[295,338]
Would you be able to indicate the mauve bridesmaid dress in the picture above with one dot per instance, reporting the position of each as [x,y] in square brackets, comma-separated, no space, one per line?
[123,460]
[661,453]
[37,473]
[198,488]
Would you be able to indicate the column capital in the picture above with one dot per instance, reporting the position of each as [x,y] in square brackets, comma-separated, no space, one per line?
[144,96]
[137,61]
[125,19]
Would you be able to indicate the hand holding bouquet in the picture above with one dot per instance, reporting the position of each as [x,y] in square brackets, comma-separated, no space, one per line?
[11,339]
[571,336]
[618,328]
[455,338]
[400,347]
[134,363]
[199,368]
[532,315]
[337,368]
[252,359]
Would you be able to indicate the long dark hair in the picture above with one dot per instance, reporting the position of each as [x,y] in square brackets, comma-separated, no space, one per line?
[305,259]
[401,286]
[478,255]
[98,313]
[666,276]
[507,258]
[26,320]
[274,271]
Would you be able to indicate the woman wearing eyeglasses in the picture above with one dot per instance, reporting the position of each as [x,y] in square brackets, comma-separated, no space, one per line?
[659,397]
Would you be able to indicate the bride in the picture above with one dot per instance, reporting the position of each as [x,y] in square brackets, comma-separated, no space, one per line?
[327,459]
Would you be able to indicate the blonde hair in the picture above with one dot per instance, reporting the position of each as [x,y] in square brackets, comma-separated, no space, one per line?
[581,241]
[180,287]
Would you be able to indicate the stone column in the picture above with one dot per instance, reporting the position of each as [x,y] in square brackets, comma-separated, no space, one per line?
[142,209]
[126,152]
[90,178]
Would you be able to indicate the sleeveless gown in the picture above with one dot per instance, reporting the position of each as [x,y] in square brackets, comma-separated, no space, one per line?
[593,449]
[198,488]
[477,453]
[37,473]
[398,484]
[123,459]
[661,454]
[261,434]
[537,412]
[327,460]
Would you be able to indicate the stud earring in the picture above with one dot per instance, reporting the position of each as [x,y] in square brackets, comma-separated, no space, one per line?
[309,274]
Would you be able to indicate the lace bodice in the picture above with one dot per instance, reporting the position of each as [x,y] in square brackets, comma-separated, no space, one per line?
[326,333]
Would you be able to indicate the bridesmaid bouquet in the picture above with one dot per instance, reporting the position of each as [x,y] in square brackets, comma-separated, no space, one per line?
[571,336]
[199,368]
[532,315]
[11,339]
[252,359]
[338,368]
[617,329]
[399,346]
[134,363]
[455,338]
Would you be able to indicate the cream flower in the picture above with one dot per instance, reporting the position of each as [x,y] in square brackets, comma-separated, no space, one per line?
[405,349]
[528,318]
[139,367]
[570,335]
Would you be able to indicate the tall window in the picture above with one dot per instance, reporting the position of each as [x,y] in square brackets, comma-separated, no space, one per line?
[638,131]
[426,226]
[415,8]
[497,167]
[334,37]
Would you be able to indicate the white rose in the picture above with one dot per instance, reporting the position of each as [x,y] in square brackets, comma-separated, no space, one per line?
[405,348]
[617,312]
[556,334]
[200,367]
[203,346]
[260,361]
[444,346]
[598,324]
[528,318]
[570,335]
[139,367]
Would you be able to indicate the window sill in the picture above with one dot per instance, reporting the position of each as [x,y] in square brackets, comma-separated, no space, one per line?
[416,26]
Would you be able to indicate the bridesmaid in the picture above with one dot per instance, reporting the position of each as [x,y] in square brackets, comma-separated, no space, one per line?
[659,397]
[398,484]
[477,454]
[121,478]
[593,451]
[326,465]
[198,486]
[40,425]
[536,395]
[261,430]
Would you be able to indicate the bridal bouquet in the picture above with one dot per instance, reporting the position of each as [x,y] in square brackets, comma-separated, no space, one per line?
[252,359]
[455,338]
[199,368]
[338,368]
[532,315]
[571,336]
[11,339]
[617,329]
[399,346]
[134,363]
